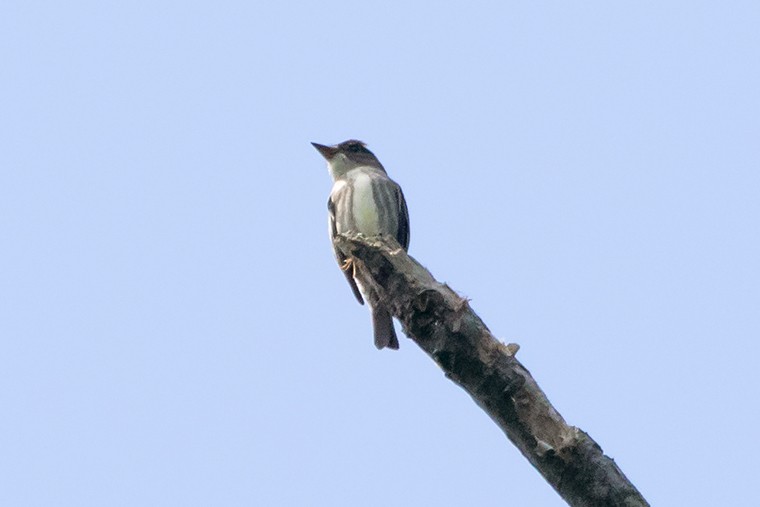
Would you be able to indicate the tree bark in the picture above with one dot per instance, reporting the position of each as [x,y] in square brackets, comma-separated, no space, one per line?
[448,330]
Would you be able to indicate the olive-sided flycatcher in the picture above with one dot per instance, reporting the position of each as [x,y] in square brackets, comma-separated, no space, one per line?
[365,200]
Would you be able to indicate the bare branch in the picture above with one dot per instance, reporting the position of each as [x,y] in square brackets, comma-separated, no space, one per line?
[443,325]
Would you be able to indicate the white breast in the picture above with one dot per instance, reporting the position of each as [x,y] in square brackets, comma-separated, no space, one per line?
[364,208]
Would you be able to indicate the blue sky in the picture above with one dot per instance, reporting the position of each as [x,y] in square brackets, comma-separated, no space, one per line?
[174,328]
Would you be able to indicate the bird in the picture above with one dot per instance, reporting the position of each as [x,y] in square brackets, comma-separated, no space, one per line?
[364,200]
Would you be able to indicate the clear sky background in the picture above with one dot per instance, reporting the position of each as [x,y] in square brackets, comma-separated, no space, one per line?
[174,330]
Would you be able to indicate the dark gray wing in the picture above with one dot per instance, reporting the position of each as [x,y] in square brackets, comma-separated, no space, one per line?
[339,255]
[403,220]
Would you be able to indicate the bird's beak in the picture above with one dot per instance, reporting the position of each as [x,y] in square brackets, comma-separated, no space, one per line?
[327,151]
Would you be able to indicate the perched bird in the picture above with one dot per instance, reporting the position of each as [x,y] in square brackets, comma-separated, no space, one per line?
[364,200]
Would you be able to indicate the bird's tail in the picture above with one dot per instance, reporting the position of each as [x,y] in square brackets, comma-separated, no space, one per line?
[382,324]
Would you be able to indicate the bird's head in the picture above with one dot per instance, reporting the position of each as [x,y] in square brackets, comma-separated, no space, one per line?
[346,156]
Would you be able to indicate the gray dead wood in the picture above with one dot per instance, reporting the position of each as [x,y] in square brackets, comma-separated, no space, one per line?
[446,328]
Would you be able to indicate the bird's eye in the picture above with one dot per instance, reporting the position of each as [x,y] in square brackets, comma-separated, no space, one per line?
[355,148]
